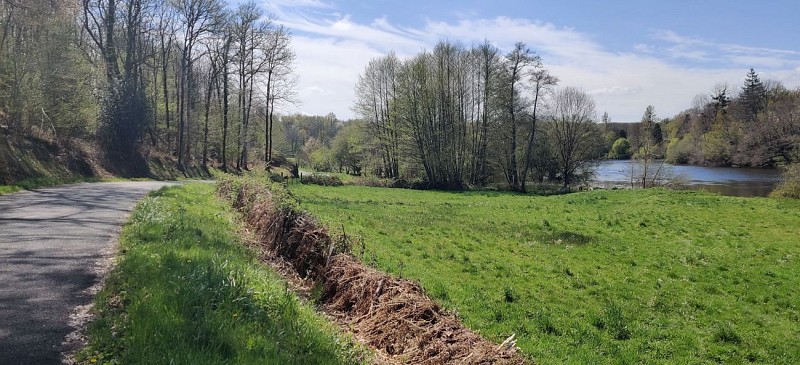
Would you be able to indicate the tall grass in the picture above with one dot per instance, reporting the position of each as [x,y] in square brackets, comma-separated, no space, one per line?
[187,291]
[599,277]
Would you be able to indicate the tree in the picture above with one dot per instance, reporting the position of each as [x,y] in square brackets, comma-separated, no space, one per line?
[125,108]
[348,148]
[376,95]
[486,63]
[541,81]
[279,87]
[575,138]
[620,150]
[647,170]
[197,18]
[514,105]
[249,33]
[753,96]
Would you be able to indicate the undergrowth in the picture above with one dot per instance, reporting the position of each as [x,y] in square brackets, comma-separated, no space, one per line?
[186,291]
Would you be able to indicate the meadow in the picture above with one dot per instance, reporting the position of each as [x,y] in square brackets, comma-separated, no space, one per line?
[188,290]
[597,277]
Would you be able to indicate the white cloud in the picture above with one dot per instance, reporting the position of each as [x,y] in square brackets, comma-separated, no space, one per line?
[698,50]
[332,50]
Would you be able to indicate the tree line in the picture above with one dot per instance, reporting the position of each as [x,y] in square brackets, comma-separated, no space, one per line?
[198,79]
[461,116]
[757,125]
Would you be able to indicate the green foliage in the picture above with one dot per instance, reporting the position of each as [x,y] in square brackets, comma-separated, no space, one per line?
[186,291]
[754,95]
[349,148]
[679,151]
[321,179]
[8,189]
[620,150]
[789,187]
[716,148]
[45,79]
[597,277]
[122,123]
[317,155]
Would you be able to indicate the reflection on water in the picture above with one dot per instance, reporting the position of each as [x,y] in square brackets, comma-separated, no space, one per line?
[723,180]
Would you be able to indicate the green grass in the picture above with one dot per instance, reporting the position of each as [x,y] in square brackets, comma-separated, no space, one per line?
[600,277]
[42,182]
[186,291]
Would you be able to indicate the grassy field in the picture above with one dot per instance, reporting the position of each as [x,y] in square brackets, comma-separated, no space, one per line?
[186,291]
[598,277]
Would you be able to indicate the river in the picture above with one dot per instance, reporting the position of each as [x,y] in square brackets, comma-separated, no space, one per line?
[732,181]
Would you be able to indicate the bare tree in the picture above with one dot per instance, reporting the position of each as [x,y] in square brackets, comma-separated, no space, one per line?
[197,18]
[280,83]
[541,83]
[514,108]
[486,64]
[646,169]
[250,33]
[376,91]
[573,133]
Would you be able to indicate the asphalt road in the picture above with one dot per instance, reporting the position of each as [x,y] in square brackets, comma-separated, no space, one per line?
[51,243]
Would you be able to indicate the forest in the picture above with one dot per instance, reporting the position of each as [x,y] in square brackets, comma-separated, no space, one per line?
[197,80]
[204,83]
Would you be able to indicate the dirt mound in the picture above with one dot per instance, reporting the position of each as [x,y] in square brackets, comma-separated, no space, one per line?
[390,314]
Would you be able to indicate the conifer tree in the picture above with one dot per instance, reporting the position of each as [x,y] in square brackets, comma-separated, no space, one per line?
[754,95]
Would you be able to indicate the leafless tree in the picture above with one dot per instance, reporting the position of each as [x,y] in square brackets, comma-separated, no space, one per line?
[514,106]
[279,86]
[376,92]
[573,133]
[197,18]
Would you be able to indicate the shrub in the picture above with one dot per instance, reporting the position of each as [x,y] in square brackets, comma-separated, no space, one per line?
[320,179]
[789,187]
[278,161]
[620,150]
[679,151]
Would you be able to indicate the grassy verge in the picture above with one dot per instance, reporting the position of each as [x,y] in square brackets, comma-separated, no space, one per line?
[41,182]
[186,291]
[600,277]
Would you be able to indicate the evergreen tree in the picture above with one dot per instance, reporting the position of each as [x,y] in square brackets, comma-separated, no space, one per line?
[754,95]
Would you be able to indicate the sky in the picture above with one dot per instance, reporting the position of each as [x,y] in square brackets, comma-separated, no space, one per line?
[626,54]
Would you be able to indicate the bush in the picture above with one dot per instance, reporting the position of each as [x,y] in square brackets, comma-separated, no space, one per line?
[620,150]
[789,187]
[278,161]
[679,151]
[319,179]
[278,178]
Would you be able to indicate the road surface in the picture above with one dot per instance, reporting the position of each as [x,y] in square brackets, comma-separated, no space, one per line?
[51,243]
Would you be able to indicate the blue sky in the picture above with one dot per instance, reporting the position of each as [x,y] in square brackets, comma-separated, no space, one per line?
[626,54]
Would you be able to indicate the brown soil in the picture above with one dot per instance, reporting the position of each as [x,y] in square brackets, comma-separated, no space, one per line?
[392,315]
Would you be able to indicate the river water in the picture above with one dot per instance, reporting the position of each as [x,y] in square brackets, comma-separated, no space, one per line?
[732,181]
